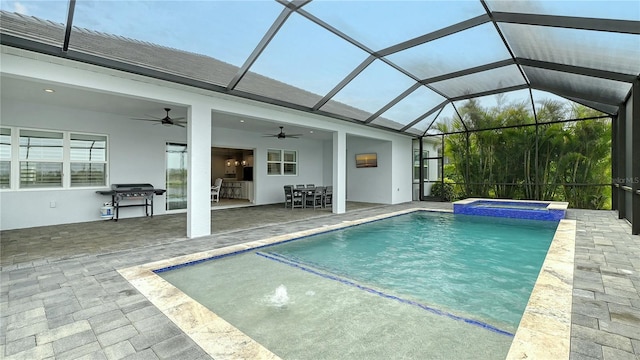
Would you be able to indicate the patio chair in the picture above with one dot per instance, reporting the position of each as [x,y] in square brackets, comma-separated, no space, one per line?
[327,199]
[314,197]
[297,198]
[215,190]
[288,196]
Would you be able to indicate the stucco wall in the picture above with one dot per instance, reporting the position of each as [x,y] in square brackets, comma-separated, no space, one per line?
[137,149]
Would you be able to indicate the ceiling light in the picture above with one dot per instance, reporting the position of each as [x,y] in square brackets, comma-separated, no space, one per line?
[310,131]
[49,90]
[241,120]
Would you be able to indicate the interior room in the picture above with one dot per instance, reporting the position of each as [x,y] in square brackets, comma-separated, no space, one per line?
[235,168]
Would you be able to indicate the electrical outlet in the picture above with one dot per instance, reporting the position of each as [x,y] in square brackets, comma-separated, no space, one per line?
[52,204]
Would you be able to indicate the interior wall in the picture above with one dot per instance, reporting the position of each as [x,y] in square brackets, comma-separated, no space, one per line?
[136,152]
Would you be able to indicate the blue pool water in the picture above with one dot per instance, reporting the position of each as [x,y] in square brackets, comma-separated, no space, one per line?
[423,284]
[465,264]
[510,205]
[510,209]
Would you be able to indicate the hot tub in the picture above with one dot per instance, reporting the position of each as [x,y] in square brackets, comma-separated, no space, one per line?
[519,209]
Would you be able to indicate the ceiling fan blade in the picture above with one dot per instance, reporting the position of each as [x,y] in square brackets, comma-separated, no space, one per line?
[156,120]
[292,135]
[178,119]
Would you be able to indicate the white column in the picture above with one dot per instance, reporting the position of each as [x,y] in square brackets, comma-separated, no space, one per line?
[199,171]
[339,172]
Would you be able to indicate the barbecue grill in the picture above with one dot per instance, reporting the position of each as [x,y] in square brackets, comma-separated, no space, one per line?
[144,192]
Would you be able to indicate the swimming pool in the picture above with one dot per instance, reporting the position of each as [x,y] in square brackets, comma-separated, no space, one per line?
[222,340]
[459,267]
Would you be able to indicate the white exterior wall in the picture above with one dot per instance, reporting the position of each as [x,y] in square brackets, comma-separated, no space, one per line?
[361,181]
[141,159]
[392,174]
[132,159]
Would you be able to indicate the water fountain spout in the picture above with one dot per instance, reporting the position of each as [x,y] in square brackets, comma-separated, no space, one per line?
[280,297]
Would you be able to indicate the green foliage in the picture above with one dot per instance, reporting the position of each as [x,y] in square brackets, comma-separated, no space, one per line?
[443,190]
[530,162]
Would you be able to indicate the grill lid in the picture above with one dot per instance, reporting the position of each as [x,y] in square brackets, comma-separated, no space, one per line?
[132,187]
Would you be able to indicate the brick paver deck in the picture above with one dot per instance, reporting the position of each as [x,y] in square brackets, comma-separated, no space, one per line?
[62,298]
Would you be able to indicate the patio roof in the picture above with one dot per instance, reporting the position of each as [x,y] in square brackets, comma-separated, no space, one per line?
[392,65]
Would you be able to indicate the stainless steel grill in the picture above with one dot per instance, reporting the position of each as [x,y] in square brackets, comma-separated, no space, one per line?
[143,192]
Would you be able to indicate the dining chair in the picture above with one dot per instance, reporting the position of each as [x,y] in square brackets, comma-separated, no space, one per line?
[215,190]
[297,198]
[327,199]
[314,197]
[288,196]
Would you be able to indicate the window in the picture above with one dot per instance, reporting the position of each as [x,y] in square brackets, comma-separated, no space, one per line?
[34,159]
[290,162]
[41,155]
[274,162]
[282,162]
[5,158]
[88,155]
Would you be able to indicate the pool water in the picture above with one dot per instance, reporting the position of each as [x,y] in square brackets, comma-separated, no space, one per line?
[511,205]
[451,286]
[518,209]
[440,259]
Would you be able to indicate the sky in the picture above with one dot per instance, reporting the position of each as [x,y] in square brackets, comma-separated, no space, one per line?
[304,55]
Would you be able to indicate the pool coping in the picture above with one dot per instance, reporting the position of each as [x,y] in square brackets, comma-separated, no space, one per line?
[544,331]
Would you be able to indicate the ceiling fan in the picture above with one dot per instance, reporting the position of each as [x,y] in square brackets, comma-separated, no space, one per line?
[166,121]
[282,135]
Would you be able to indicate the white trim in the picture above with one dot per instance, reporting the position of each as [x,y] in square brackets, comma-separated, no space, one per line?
[65,160]
[282,162]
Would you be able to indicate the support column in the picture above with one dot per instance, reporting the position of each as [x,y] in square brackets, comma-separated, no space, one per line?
[621,174]
[339,172]
[634,217]
[199,171]
[421,175]
[615,168]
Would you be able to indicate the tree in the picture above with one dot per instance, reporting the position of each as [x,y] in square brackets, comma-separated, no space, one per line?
[513,161]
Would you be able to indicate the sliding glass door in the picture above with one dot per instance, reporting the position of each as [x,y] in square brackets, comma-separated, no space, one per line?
[176,176]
